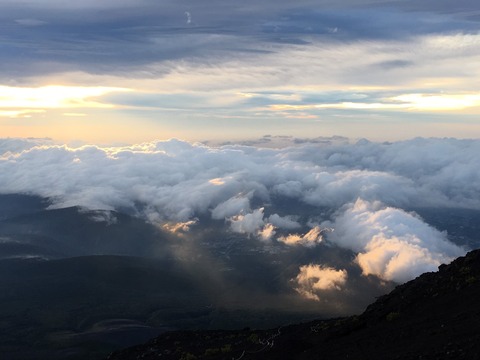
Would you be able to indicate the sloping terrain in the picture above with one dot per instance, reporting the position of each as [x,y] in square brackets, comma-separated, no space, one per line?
[69,232]
[80,307]
[435,316]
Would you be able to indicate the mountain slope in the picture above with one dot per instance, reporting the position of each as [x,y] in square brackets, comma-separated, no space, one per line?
[435,316]
[69,232]
[85,307]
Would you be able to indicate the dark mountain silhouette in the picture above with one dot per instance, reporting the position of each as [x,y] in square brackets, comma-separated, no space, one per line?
[68,232]
[85,307]
[435,316]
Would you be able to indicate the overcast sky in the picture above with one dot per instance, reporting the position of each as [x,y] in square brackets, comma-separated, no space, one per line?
[126,71]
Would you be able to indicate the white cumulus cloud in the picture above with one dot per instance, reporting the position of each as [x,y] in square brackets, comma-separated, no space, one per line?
[315,278]
[391,243]
[267,232]
[248,223]
[233,206]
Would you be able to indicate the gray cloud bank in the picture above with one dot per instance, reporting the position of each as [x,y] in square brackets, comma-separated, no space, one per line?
[368,187]
[92,36]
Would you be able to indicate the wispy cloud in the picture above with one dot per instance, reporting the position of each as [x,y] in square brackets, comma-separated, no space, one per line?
[421,102]
[30,22]
[439,102]
[19,113]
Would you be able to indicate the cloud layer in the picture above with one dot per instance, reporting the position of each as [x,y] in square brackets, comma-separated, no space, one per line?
[177,180]
[364,188]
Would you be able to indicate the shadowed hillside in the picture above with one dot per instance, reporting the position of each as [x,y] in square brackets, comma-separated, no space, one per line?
[435,316]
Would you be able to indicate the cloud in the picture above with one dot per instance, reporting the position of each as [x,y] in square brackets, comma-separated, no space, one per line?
[375,36]
[70,114]
[267,232]
[310,239]
[180,180]
[180,227]
[19,113]
[58,4]
[313,279]
[248,223]
[233,206]
[47,97]
[14,146]
[391,243]
[254,223]
[189,17]
[439,102]
[284,222]
[207,70]
[366,186]
[30,22]
[107,217]
[423,102]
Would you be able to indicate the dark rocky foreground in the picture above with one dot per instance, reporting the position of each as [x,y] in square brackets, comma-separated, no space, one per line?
[435,316]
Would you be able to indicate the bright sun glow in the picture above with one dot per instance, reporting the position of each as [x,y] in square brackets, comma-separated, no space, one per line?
[51,97]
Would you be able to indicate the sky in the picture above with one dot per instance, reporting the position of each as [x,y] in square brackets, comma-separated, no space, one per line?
[132,71]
